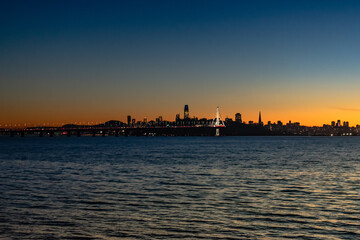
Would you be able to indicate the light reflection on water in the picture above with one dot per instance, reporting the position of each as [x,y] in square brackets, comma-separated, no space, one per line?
[180,187]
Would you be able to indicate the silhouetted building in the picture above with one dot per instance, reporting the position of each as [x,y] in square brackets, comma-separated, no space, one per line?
[129,120]
[186,112]
[177,118]
[333,123]
[338,124]
[159,119]
[228,120]
[238,118]
[260,122]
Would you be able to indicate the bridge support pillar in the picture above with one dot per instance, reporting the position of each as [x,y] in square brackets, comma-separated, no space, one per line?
[217,132]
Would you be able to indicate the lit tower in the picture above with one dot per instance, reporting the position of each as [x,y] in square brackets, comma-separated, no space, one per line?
[217,122]
[186,112]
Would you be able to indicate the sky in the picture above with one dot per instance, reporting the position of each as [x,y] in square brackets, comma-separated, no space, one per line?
[93,61]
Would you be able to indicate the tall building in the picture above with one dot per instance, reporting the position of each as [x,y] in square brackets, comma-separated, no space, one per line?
[177,118]
[333,123]
[129,120]
[260,122]
[238,118]
[186,112]
[338,124]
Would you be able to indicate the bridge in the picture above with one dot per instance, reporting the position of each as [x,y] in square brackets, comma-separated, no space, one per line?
[116,131]
[72,130]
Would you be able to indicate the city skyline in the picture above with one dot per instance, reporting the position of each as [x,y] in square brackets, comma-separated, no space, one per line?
[184,116]
[183,126]
[85,61]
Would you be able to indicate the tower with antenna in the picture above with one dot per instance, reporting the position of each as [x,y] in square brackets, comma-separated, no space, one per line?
[260,122]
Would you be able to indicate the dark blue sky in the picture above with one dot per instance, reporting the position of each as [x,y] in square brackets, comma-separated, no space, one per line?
[80,60]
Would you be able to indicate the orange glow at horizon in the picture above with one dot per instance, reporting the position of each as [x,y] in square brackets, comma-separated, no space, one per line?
[306,117]
[295,102]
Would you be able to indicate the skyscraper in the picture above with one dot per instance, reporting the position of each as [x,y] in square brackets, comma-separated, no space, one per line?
[186,112]
[260,122]
[338,124]
[238,117]
[129,120]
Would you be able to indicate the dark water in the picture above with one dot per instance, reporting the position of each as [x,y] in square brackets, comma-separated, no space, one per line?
[180,188]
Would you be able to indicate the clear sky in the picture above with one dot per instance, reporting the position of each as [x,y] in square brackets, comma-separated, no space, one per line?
[80,61]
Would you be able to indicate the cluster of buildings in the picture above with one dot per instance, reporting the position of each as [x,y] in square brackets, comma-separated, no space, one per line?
[237,125]
[159,121]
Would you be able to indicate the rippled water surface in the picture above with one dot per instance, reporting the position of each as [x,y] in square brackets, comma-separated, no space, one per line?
[180,188]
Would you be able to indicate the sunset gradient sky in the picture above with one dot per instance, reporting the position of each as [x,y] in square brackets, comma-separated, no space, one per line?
[93,61]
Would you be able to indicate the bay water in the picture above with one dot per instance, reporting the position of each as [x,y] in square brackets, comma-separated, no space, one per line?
[180,188]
